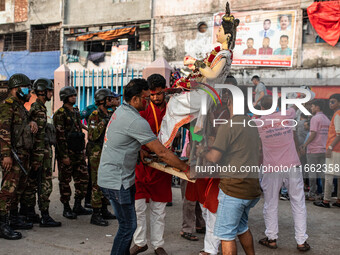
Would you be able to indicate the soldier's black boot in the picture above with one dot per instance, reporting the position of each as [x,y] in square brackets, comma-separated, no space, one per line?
[97,219]
[79,210]
[47,221]
[67,213]
[6,231]
[106,214]
[17,222]
[87,204]
[23,210]
[29,214]
[32,216]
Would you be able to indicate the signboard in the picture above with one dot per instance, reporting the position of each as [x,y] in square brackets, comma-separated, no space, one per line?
[264,38]
[119,58]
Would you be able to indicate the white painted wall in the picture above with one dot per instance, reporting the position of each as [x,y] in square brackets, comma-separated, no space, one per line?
[8,15]
[199,46]
[44,11]
[85,12]
[184,7]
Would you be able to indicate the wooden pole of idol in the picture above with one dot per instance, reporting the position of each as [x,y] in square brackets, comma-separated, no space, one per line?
[170,170]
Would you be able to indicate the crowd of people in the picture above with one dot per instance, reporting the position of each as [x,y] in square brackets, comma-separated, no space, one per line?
[218,207]
[315,138]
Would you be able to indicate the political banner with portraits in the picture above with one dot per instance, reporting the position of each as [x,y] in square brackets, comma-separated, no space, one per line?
[264,38]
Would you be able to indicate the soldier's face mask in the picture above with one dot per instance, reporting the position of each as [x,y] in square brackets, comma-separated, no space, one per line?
[24,93]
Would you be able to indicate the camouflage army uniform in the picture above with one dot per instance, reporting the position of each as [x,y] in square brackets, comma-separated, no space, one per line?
[14,122]
[85,114]
[77,169]
[41,161]
[98,121]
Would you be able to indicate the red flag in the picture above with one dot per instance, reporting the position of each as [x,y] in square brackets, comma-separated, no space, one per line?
[325,18]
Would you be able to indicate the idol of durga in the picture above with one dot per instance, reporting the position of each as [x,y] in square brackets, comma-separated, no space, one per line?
[184,107]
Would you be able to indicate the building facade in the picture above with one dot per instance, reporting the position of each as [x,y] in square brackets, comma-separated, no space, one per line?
[177,33]
[30,37]
[83,33]
[106,24]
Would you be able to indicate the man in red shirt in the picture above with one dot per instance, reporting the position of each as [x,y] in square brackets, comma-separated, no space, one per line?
[266,50]
[250,49]
[152,186]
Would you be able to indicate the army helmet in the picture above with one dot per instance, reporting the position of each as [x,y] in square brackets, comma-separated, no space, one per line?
[42,84]
[67,91]
[19,80]
[101,94]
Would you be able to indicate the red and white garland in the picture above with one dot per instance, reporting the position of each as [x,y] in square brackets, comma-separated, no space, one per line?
[184,82]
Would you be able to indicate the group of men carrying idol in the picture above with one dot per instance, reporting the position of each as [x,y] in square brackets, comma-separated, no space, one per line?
[114,143]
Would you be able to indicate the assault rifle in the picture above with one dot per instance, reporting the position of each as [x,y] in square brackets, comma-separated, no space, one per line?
[16,157]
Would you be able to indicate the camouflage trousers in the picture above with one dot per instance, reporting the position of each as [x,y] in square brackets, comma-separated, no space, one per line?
[97,198]
[76,170]
[13,185]
[40,177]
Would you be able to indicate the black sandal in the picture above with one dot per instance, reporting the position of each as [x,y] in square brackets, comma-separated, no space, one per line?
[305,247]
[189,236]
[266,242]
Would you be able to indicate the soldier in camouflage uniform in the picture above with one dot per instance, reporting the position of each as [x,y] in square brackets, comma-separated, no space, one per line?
[98,121]
[15,135]
[85,114]
[70,154]
[40,178]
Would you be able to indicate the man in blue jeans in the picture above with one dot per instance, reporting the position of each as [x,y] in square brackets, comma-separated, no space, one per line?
[236,145]
[127,131]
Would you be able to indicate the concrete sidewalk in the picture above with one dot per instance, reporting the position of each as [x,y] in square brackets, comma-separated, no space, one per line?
[80,237]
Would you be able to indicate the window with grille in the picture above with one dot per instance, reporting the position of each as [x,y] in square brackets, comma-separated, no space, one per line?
[13,42]
[45,38]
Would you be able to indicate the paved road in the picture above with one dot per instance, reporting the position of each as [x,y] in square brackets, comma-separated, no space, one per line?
[80,237]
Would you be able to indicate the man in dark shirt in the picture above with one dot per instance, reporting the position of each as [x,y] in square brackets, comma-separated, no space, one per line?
[236,146]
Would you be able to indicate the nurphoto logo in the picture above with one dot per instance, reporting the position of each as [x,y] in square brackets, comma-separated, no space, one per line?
[238,99]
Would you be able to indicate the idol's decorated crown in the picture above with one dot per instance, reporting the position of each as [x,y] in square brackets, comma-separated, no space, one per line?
[230,24]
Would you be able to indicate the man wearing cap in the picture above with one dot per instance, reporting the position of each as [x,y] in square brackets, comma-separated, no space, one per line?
[70,154]
[15,135]
[98,120]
